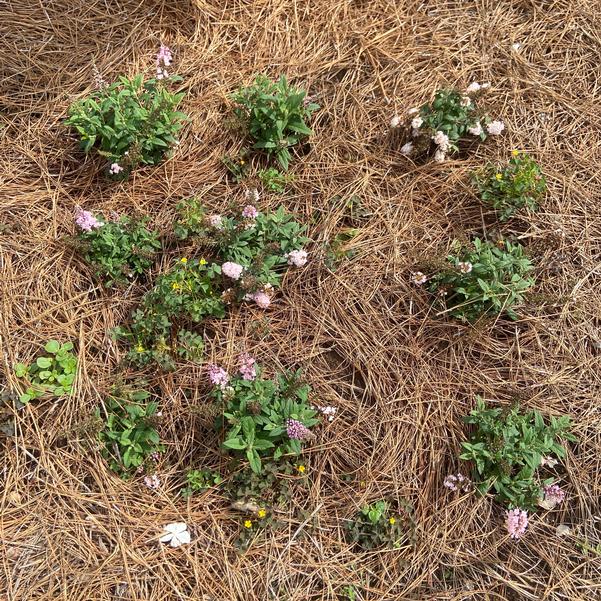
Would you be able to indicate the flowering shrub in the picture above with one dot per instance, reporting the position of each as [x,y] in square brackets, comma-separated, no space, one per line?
[508,447]
[376,526]
[51,375]
[266,418]
[129,437]
[518,185]
[186,293]
[486,280]
[438,126]
[118,250]
[254,247]
[130,122]
[274,114]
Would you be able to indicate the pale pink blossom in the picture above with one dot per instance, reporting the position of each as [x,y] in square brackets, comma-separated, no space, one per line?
[494,128]
[395,121]
[217,375]
[153,482]
[464,266]
[232,270]
[439,156]
[475,130]
[215,221]
[164,58]
[85,220]
[441,140]
[473,87]
[516,522]
[115,169]
[247,367]
[413,111]
[298,258]
[250,212]
[407,148]
[261,298]
[418,278]
[465,101]
[417,122]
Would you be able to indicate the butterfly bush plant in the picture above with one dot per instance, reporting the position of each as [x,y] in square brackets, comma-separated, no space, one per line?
[129,438]
[375,525]
[486,279]
[51,375]
[274,114]
[520,184]
[120,249]
[262,418]
[131,121]
[437,127]
[509,447]
[187,294]
[254,248]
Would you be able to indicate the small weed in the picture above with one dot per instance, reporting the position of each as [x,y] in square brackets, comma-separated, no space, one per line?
[274,180]
[199,481]
[337,250]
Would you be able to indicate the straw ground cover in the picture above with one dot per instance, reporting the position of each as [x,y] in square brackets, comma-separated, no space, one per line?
[401,376]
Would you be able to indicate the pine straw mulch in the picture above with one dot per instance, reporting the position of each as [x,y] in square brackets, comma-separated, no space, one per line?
[368,341]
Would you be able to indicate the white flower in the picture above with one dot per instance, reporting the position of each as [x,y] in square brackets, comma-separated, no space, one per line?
[395,121]
[177,534]
[515,47]
[441,140]
[252,195]
[215,221]
[406,149]
[473,87]
[464,266]
[413,111]
[439,156]
[115,169]
[465,101]
[485,86]
[419,278]
[494,128]
[476,130]
[417,122]
[298,258]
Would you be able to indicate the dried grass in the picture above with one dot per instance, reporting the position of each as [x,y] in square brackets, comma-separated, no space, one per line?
[368,341]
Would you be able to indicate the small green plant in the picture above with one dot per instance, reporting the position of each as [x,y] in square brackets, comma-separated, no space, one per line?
[490,279]
[129,436]
[237,165]
[199,481]
[192,219]
[118,250]
[274,114]
[520,184]
[438,126]
[507,448]
[265,418]
[338,249]
[185,294]
[51,375]
[129,122]
[274,180]
[376,526]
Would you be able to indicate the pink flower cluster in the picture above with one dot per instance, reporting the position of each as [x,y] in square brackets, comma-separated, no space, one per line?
[296,430]
[164,59]
[215,221]
[218,376]
[298,258]
[153,482]
[85,220]
[261,298]
[516,522]
[247,366]
[456,482]
[250,212]
[553,494]
[232,270]
[115,169]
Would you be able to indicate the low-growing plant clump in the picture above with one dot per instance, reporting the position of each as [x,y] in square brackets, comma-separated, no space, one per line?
[263,417]
[129,438]
[118,249]
[375,525]
[488,279]
[198,481]
[508,449]
[520,184]
[274,180]
[50,375]
[437,127]
[131,121]
[274,114]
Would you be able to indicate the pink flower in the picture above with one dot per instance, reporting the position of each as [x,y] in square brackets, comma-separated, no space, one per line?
[464,266]
[250,212]
[153,482]
[86,220]
[247,366]
[417,122]
[296,430]
[441,140]
[115,169]
[261,298]
[418,278]
[232,270]
[554,495]
[395,121]
[457,481]
[475,130]
[516,522]
[298,258]
[164,58]
[215,221]
[473,87]
[494,128]
[217,375]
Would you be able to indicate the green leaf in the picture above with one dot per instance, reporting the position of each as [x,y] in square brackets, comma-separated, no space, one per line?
[43,362]
[52,346]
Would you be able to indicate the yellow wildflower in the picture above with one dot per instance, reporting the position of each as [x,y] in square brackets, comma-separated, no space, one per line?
[261,513]
[499,176]
[184,260]
[203,262]
[248,524]
[140,348]
[515,153]
[392,521]
[176,286]
[301,469]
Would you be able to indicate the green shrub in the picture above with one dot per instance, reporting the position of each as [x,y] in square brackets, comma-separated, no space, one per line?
[185,294]
[274,114]
[51,375]
[376,526]
[265,418]
[507,448]
[129,436]
[518,185]
[486,280]
[118,250]
[129,122]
